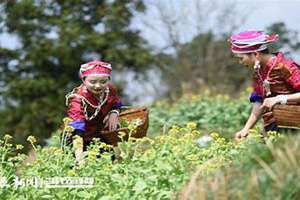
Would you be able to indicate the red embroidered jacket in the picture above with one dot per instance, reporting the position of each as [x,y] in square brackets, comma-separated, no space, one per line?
[284,78]
[75,111]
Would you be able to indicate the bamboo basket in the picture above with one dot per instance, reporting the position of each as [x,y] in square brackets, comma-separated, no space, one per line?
[113,137]
[287,116]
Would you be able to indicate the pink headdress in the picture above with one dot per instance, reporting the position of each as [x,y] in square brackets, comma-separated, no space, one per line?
[95,68]
[251,41]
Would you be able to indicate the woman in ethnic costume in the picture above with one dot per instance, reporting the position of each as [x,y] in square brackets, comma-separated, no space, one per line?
[276,79]
[94,105]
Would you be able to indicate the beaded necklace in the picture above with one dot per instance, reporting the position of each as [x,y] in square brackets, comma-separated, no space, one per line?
[102,100]
[266,82]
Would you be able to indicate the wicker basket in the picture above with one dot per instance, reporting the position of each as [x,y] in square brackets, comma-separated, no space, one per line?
[113,137]
[287,116]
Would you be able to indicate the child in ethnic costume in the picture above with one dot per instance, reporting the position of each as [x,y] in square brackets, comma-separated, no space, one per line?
[94,105]
[276,79]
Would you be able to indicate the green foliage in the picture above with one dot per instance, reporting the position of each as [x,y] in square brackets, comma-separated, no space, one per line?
[124,123]
[55,38]
[10,157]
[175,163]
[145,169]
[262,171]
[211,113]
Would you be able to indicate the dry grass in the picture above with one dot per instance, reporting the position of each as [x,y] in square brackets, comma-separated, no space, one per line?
[268,180]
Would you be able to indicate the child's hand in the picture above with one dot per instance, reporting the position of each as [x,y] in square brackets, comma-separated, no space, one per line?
[112,121]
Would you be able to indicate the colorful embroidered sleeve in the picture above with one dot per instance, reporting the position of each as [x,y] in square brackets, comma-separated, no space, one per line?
[257,94]
[117,102]
[292,74]
[254,97]
[75,112]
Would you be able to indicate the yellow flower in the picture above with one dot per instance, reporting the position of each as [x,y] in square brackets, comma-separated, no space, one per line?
[122,134]
[221,140]
[249,89]
[92,154]
[147,139]
[52,150]
[104,145]
[271,133]
[253,131]
[148,152]
[19,146]
[195,132]
[175,127]
[31,139]
[192,157]
[7,137]
[68,129]
[215,135]
[191,125]
[132,127]
[78,142]
[67,120]
[96,140]
[173,131]
[183,130]
[71,173]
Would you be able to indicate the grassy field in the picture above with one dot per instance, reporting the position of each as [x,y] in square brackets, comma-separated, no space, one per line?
[188,154]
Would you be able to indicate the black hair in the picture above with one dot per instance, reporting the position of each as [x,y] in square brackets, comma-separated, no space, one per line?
[265,51]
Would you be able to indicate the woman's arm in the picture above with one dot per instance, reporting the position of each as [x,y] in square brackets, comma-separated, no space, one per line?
[280,99]
[253,118]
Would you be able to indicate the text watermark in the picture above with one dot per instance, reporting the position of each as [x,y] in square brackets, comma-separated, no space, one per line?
[47,182]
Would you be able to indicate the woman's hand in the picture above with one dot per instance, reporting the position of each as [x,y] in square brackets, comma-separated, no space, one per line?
[242,134]
[112,121]
[270,102]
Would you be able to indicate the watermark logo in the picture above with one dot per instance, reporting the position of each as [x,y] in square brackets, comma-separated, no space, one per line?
[48,182]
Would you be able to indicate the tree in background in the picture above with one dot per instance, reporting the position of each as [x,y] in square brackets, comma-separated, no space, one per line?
[55,38]
[194,53]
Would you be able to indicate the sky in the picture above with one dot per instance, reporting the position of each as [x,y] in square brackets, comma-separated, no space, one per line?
[266,12]
[262,14]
